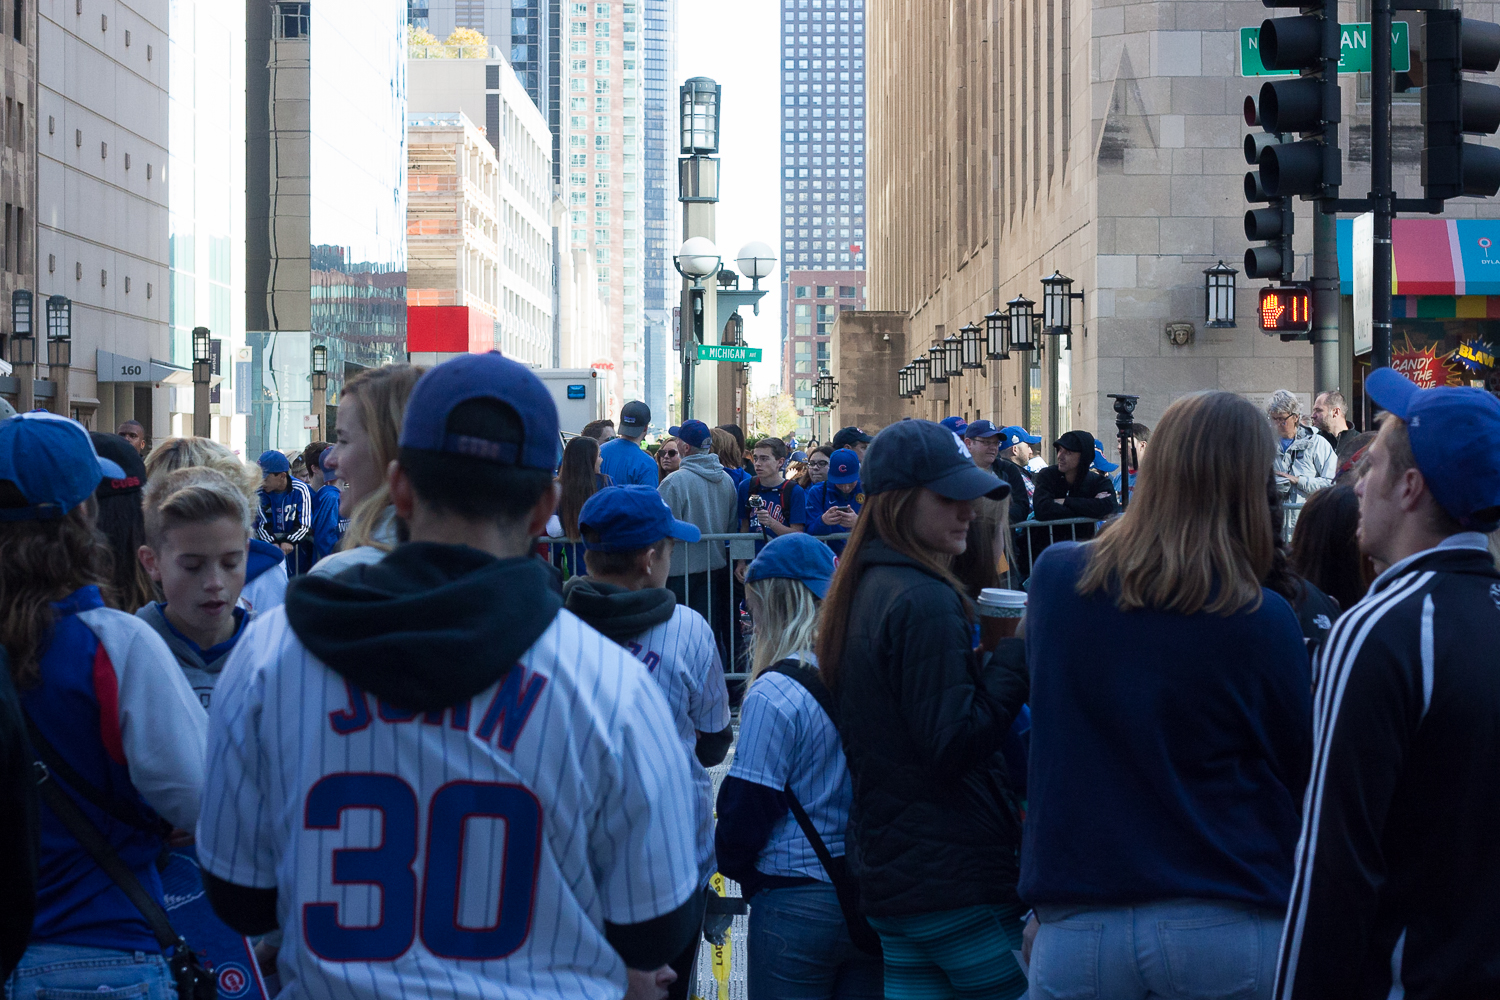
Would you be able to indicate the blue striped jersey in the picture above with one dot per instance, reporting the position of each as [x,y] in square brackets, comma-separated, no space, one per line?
[474,851]
[683,658]
[786,737]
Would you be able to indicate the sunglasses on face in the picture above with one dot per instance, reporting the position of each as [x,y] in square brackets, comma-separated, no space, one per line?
[669,454]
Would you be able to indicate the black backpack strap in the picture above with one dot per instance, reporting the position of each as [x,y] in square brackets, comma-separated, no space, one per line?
[786,511]
[807,675]
[60,768]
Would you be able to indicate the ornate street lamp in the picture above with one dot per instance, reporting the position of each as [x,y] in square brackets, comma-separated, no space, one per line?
[920,367]
[20,318]
[700,116]
[937,363]
[1057,304]
[1218,295]
[1020,323]
[203,374]
[903,379]
[953,355]
[997,335]
[59,331]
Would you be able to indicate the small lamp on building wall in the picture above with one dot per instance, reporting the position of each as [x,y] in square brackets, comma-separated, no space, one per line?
[1057,304]
[937,364]
[953,355]
[728,279]
[1020,323]
[903,377]
[920,368]
[59,331]
[973,343]
[997,335]
[23,346]
[1218,295]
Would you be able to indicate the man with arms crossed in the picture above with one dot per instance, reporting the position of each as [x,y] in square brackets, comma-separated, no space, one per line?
[436,781]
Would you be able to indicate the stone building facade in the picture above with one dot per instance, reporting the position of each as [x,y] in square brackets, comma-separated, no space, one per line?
[1101,139]
[18,172]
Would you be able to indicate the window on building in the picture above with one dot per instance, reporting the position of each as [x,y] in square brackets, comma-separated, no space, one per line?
[577,197]
[576,85]
[601,236]
[803,311]
[578,160]
[601,10]
[601,65]
[601,199]
[579,66]
[578,180]
[601,48]
[846,292]
[601,218]
[291,20]
[601,86]
[601,29]
[579,28]
[601,142]
[578,47]
[801,292]
[601,104]
[578,104]
[825,291]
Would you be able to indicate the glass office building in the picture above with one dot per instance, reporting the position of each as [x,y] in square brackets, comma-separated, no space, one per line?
[822,170]
[206,173]
[326,204]
[659,58]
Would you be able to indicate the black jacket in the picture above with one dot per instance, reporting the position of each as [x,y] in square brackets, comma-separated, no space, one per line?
[18,835]
[1092,496]
[1399,863]
[934,824]
[1020,502]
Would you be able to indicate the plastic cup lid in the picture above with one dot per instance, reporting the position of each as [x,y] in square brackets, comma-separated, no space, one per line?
[1002,598]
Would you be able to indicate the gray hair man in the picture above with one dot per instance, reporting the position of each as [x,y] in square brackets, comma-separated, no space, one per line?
[1305,462]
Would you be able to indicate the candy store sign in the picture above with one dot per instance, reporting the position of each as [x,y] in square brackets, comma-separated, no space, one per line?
[1421,365]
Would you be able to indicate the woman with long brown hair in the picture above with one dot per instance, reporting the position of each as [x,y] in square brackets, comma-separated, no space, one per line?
[101,685]
[578,478]
[668,457]
[935,827]
[371,409]
[1170,698]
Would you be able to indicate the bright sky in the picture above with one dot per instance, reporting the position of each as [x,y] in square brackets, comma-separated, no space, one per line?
[737,45]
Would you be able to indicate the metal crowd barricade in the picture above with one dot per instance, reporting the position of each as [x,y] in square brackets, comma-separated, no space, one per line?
[1031,537]
[1289,513]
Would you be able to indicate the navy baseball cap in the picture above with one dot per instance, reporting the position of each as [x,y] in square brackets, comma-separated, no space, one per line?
[850,435]
[694,434]
[922,453]
[795,556]
[483,376]
[981,429]
[843,467]
[634,416]
[273,461]
[51,460]
[1015,435]
[674,431]
[955,424]
[1455,438]
[631,517]
[1100,462]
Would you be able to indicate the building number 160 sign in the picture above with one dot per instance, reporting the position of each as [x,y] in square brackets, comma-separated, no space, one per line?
[1285,310]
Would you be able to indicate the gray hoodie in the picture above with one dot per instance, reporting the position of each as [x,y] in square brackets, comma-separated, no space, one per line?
[201,673]
[701,493]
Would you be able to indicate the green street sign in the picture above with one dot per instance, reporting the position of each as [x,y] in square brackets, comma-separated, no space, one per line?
[721,352]
[1354,50]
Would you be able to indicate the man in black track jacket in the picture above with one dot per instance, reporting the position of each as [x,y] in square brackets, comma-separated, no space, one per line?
[1397,884]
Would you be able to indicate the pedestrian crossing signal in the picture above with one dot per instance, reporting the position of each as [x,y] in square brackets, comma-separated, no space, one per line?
[1285,310]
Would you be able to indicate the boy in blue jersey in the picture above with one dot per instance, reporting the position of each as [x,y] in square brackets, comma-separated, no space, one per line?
[832,506]
[621,458]
[286,512]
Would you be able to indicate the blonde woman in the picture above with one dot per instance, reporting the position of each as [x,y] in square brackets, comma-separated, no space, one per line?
[370,413]
[1191,738]
[800,942]
[265,564]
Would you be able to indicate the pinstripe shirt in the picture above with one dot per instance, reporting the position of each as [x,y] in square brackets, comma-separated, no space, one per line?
[1396,891]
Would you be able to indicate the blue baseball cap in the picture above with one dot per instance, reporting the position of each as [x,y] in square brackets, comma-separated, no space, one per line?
[1455,438]
[1100,462]
[922,453]
[694,434]
[483,376]
[272,462]
[795,556]
[634,416]
[797,456]
[674,431]
[1015,435]
[631,517]
[843,467]
[52,461]
[981,429]
[955,424]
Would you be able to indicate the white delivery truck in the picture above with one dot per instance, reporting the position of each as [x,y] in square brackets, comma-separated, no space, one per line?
[579,393]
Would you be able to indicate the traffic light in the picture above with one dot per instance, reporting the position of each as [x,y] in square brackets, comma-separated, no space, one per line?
[1452,106]
[1308,105]
[1273,224]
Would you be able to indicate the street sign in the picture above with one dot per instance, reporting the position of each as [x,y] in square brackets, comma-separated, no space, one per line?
[1285,310]
[726,352]
[1354,50]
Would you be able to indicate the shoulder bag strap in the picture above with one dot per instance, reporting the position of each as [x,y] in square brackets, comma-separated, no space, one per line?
[105,856]
[808,678]
[786,512]
[60,768]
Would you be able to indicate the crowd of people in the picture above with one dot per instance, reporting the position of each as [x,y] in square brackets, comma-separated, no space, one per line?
[430,710]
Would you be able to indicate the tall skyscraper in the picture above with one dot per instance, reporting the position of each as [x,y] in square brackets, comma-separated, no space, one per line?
[660,59]
[823,163]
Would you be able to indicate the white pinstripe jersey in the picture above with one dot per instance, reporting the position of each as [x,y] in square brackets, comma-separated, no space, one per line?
[682,656]
[473,852]
[785,736]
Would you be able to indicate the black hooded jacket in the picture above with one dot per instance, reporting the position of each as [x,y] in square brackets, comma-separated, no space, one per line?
[425,628]
[934,824]
[1091,496]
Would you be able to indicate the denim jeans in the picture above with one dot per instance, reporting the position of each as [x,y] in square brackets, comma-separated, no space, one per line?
[800,948]
[1186,949]
[75,972]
